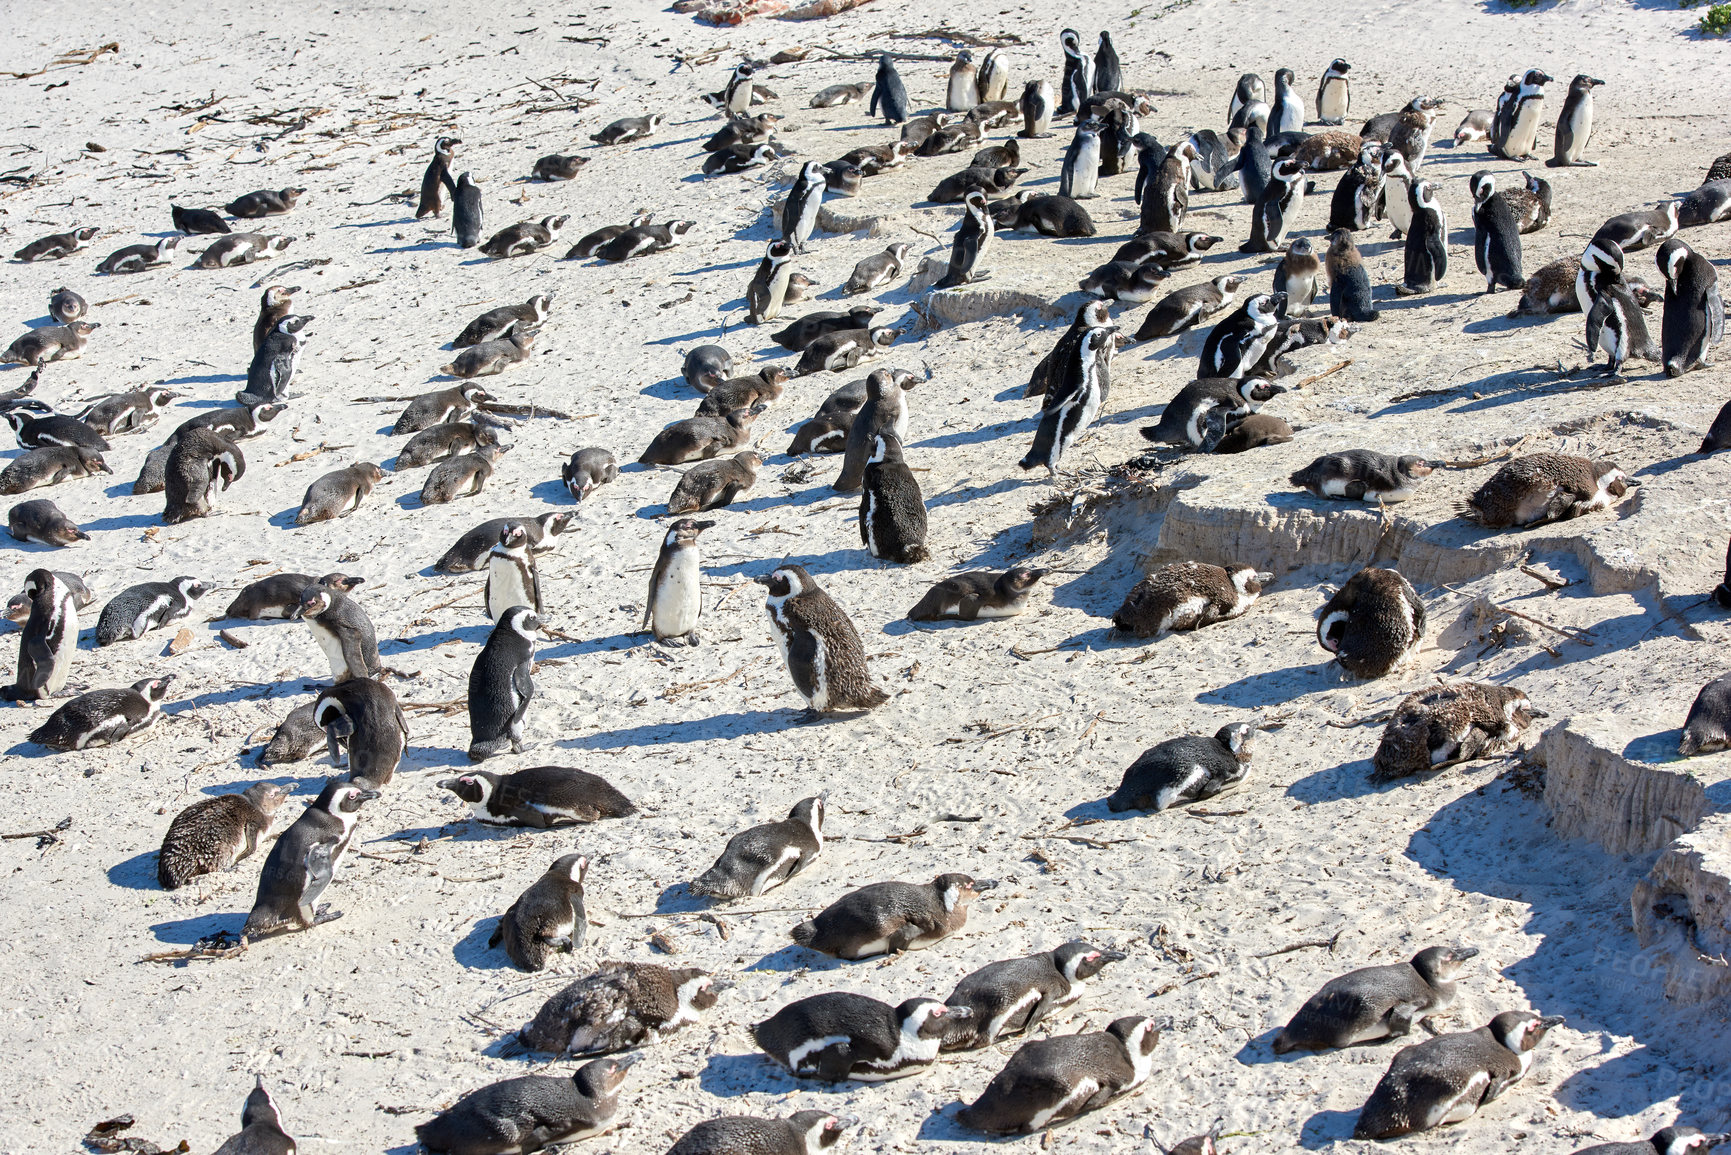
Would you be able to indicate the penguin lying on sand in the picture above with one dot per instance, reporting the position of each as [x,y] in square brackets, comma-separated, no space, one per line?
[547,917]
[1010,997]
[541,796]
[840,1035]
[530,1112]
[1188,769]
[802,1133]
[1446,1079]
[621,1005]
[1050,1080]
[765,856]
[890,917]
[1374,1003]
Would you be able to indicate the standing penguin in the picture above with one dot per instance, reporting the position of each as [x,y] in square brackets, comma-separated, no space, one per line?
[1496,237]
[500,685]
[675,598]
[766,856]
[343,631]
[1348,283]
[1427,241]
[1108,76]
[1694,318]
[963,92]
[437,177]
[201,462]
[274,362]
[47,641]
[1082,384]
[1287,112]
[818,643]
[885,410]
[530,1112]
[1616,324]
[261,1129]
[1277,211]
[1334,94]
[1163,207]
[768,289]
[799,211]
[512,577]
[1515,131]
[973,240]
[736,96]
[304,860]
[889,93]
[466,216]
[1081,171]
[892,512]
[276,303]
[363,715]
[1073,89]
[1373,624]
[1050,1080]
[1236,344]
[1575,125]
[1036,109]
[547,917]
[1446,1079]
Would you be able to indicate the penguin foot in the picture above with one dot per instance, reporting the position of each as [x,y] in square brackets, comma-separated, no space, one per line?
[1407,290]
[811,717]
[326,914]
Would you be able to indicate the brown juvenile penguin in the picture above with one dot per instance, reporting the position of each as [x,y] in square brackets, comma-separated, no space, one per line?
[1545,487]
[1449,724]
[1188,595]
[214,833]
[1373,624]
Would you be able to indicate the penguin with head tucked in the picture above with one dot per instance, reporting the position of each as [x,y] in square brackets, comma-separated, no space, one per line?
[362,714]
[261,1130]
[1074,89]
[530,1112]
[1694,318]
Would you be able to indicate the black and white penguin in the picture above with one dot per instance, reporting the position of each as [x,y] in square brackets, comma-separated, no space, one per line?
[241,249]
[41,521]
[135,611]
[530,1112]
[1381,1002]
[274,362]
[338,493]
[799,211]
[447,439]
[972,241]
[1496,238]
[1286,114]
[1298,276]
[466,213]
[497,323]
[362,715]
[1254,165]
[798,336]
[512,577]
[342,630]
[1575,124]
[1334,94]
[304,860]
[978,595]
[1427,250]
[1079,388]
[1694,318]
[1187,596]
[1363,475]
[1010,997]
[440,407]
[524,237]
[1206,411]
[716,483]
[1277,211]
[1349,294]
[1454,723]
[840,1035]
[546,918]
[56,245]
[877,270]
[818,643]
[1665,1141]
[1188,769]
[1617,324]
[629,128]
[103,717]
[1037,110]
[1050,1080]
[963,92]
[884,409]
[763,857]
[50,343]
[1601,263]
[699,438]
[1707,204]
[767,291]
[500,686]
[802,1133]
[1108,74]
[437,178]
[1237,343]
[1164,205]
[1373,624]
[888,93]
[264,203]
[50,466]
[992,79]
[487,358]
[892,512]
[1545,487]
[1127,283]
[1250,89]
[279,595]
[125,412]
[261,1130]
[727,160]
[891,917]
[1396,203]
[1707,729]
[621,1005]
[48,640]
[137,258]
[1356,197]
[1189,306]
[1049,215]
[1446,1079]
[675,600]
[65,306]
[214,833]
[539,797]
[1518,120]
[1074,88]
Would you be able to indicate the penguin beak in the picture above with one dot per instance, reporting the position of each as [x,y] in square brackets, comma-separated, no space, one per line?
[985,884]
[1550,1021]
[1532,713]
[762,579]
[367,795]
[1462,953]
[1113,955]
[702,525]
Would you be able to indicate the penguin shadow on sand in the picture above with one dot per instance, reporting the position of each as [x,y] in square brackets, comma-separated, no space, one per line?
[734,725]
[204,379]
[941,1126]
[1327,1128]
[728,266]
[1255,691]
[1515,385]
[1338,783]
[796,959]
[672,388]
[472,951]
[1019,427]
[474,635]
[730,1076]
[123,520]
[1500,323]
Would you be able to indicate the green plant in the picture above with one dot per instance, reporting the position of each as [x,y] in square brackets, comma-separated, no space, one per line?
[1524,3]
[1689,3]
[1717,22]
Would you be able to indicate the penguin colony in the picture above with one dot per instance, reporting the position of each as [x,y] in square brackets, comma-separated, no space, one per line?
[1372,628]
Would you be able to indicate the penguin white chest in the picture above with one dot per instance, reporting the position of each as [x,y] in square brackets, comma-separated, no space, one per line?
[1525,130]
[333,648]
[506,587]
[62,668]
[678,598]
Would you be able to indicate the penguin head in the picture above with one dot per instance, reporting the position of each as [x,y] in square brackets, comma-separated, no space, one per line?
[1248,579]
[39,581]
[680,228]
[191,588]
[18,609]
[1611,478]
[819,1129]
[1284,76]
[883,336]
[265,414]
[341,581]
[810,812]
[475,787]
[1071,40]
[1265,308]
[964,57]
[925,1018]
[446,146]
[1441,964]
[570,868]
[513,540]
[886,448]
[259,1108]
[554,524]
[1079,960]
[685,531]
[958,890]
[86,233]
[1023,578]
[1413,468]
[267,796]
[695,989]
[315,600]
[600,1079]
[294,323]
[1138,1034]
[788,581]
[522,621]
[1683,1140]
[1536,78]
[341,798]
[1340,68]
[1238,737]
[1482,185]
[153,689]
[277,244]
[1521,1031]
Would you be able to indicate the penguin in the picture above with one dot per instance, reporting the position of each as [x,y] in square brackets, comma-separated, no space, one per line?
[845,349]
[883,410]
[587,469]
[590,243]
[1291,335]
[1349,293]
[802,1133]
[706,367]
[675,600]
[840,1035]
[1427,249]
[1496,237]
[1599,268]
[1446,1079]
[1705,729]
[488,358]
[1298,277]
[278,596]
[1287,112]
[512,578]
[524,237]
[742,130]
[56,245]
[436,178]
[135,611]
[804,200]
[1363,475]
[338,493]
[40,520]
[547,917]
[1694,318]
[978,595]
[276,303]
[1190,306]
[240,249]
[1164,206]
[363,715]
[294,740]
[1073,89]
[343,631]
[1718,435]
[1254,166]
[440,407]
[963,91]
[992,80]
[827,431]
[50,466]
[235,422]
[888,93]
[700,438]
[137,258]
[473,550]
[1665,1141]
[1409,131]
[301,865]
[878,270]
[103,717]
[875,159]
[1012,996]
[818,644]
[1707,204]
[65,306]
[713,484]
[643,240]
[261,1130]
[1334,94]
[200,462]
[40,431]
[274,361]
[1375,1003]
[892,512]
[1206,411]
[1036,104]
[763,857]
[1124,282]
[48,640]
[1078,391]
[622,1005]
[264,203]
[1616,324]
[1081,168]
[797,336]
[1575,125]
[1515,131]
[1238,342]
[497,323]
[530,1112]
[972,241]
[194,222]
[1356,196]
[767,291]
[1454,723]
[1396,202]
[1277,211]
[1183,770]
[1048,215]
[214,833]
[953,188]
[1545,487]
[747,392]
[630,128]
[891,917]
[1253,431]
[466,216]
[540,797]
[462,476]
[50,343]
[1373,624]
[1187,596]
[727,160]
[446,440]
[1051,1080]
